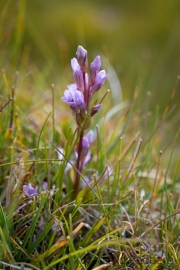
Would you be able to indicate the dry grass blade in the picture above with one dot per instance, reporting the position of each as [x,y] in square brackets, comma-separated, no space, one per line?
[61,242]
[103,266]
[4,106]
[131,166]
[159,222]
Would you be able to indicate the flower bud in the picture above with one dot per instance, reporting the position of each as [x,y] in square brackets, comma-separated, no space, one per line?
[85,143]
[90,136]
[82,58]
[94,69]
[78,75]
[45,185]
[95,109]
[99,80]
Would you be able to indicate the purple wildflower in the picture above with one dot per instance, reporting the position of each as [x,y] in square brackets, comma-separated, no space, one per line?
[82,58]
[75,99]
[78,96]
[98,82]
[56,228]
[30,191]
[94,69]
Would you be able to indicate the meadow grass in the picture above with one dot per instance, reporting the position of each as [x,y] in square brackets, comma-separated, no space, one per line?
[126,217]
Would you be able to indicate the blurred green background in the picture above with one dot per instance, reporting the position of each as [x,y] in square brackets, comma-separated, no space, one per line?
[138,40]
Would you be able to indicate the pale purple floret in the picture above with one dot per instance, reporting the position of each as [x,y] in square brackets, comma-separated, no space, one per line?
[45,186]
[86,81]
[56,228]
[75,99]
[95,109]
[85,160]
[78,75]
[87,140]
[85,143]
[90,136]
[30,191]
[82,58]
[94,69]
[85,153]
[72,86]
[99,81]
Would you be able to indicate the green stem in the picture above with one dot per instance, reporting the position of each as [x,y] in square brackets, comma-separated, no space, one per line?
[78,165]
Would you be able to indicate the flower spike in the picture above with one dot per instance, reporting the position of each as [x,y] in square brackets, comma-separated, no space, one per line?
[78,96]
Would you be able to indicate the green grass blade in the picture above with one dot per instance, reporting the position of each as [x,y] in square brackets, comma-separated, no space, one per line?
[31,228]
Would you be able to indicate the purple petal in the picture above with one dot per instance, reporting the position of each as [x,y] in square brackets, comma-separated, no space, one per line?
[99,80]
[82,58]
[72,87]
[94,69]
[87,158]
[74,64]
[87,140]
[85,143]
[86,80]
[75,99]
[78,75]
[29,190]
[45,185]
[90,136]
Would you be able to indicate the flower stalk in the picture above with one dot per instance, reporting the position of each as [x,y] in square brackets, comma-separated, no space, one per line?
[78,165]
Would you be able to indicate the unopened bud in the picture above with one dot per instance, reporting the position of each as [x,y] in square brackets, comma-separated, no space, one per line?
[82,58]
